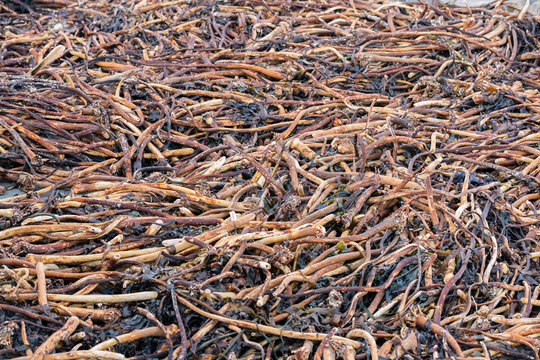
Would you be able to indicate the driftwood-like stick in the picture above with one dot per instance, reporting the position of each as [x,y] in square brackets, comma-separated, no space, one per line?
[48,346]
[41,284]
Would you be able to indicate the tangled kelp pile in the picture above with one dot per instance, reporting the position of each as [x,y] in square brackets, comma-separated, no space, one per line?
[268,179]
